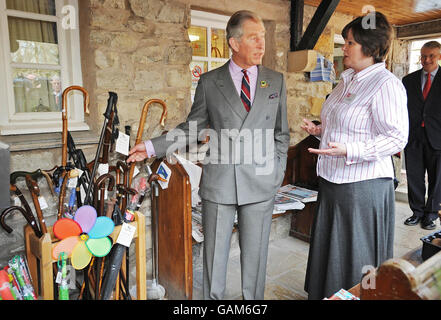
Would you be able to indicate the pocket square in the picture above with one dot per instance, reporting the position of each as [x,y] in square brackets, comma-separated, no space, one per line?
[274,95]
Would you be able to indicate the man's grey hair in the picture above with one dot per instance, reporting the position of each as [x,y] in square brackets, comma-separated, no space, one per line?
[432,45]
[234,25]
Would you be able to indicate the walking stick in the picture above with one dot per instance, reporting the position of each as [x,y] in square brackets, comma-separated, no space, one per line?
[64,140]
[111,106]
[29,218]
[145,110]
[64,118]
[35,193]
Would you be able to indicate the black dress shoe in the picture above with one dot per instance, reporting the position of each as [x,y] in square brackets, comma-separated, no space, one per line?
[428,224]
[413,220]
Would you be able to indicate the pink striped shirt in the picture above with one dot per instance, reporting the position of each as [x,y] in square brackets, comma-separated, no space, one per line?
[368,112]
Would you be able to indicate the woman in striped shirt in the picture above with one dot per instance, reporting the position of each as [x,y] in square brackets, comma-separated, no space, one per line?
[363,122]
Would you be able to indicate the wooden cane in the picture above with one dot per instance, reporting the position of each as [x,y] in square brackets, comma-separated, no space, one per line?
[64,117]
[145,110]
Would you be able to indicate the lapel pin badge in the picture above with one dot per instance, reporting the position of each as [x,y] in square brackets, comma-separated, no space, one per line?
[263,84]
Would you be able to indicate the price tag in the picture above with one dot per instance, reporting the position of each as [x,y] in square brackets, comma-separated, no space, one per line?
[122,144]
[135,171]
[17,202]
[43,203]
[59,277]
[126,234]
[72,183]
[103,168]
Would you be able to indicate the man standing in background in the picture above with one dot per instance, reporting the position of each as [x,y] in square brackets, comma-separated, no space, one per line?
[423,150]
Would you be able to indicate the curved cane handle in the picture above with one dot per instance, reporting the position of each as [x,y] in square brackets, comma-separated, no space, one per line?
[64,117]
[145,110]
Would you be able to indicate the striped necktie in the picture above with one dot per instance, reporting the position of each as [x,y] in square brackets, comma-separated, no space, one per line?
[245,91]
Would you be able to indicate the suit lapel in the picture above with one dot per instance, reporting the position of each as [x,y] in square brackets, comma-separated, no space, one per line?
[418,83]
[225,85]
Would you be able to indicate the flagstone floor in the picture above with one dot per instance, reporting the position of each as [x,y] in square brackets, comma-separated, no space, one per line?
[287,259]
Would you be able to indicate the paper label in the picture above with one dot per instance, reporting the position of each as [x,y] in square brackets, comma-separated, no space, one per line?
[58,279]
[165,173]
[103,168]
[135,171]
[42,202]
[126,234]
[17,202]
[72,183]
[122,144]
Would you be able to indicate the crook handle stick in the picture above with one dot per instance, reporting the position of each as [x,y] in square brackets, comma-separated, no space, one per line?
[111,103]
[145,110]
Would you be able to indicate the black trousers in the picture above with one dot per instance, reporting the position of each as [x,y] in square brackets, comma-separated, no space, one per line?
[421,157]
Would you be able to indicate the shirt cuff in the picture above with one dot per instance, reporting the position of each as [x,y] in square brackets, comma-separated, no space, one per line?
[353,153]
[149,148]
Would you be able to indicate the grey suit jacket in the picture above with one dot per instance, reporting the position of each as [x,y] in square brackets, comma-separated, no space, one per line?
[247,150]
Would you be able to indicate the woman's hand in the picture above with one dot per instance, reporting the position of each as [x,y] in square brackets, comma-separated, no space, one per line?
[336,149]
[311,128]
[137,153]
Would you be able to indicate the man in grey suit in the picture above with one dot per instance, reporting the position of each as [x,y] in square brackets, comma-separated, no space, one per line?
[243,105]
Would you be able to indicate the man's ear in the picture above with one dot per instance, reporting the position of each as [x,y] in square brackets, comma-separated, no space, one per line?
[234,44]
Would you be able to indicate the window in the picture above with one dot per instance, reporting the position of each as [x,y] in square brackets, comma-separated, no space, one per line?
[208,40]
[39,57]
[415,53]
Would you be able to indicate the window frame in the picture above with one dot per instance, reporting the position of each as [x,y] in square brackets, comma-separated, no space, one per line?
[208,20]
[70,74]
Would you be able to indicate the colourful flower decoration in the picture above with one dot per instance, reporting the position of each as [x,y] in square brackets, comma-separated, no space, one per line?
[83,236]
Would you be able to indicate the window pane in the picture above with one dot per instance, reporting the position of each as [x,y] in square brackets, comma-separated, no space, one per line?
[197,68]
[219,46]
[198,38]
[33,41]
[35,6]
[37,90]
[215,65]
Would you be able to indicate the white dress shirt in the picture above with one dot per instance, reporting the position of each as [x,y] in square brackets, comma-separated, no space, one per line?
[367,111]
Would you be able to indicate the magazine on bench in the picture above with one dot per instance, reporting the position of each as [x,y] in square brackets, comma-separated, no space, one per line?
[298,193]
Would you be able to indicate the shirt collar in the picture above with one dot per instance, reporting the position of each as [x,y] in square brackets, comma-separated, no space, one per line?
[235,69]
[433,73]
[369,71]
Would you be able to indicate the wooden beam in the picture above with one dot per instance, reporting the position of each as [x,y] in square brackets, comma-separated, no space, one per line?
[419,30]
[317,24]
[296,23]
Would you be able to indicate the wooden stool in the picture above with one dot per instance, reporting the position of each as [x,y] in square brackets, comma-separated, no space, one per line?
[41,248]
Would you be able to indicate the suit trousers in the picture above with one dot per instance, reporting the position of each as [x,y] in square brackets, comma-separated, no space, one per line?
[254,222]
[421,157]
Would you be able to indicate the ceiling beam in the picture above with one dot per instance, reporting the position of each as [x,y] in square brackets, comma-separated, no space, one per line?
[419,30]
[296,23]
[317,25]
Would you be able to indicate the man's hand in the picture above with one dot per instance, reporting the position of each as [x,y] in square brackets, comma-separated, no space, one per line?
[335,149]
[311,128]
[137,153]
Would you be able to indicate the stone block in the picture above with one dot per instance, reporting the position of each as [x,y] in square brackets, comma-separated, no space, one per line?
[109,19]
[148,9]
[179,55]
[148,80]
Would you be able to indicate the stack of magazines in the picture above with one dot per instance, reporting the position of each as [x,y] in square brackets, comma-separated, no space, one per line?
[291,197]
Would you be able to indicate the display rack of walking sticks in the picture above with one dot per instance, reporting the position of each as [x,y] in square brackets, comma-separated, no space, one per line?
[88,228]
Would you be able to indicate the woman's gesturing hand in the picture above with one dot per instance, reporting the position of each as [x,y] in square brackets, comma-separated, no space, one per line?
[335,149]
[311,127]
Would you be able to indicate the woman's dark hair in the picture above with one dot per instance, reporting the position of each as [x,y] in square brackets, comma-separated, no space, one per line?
[373,32]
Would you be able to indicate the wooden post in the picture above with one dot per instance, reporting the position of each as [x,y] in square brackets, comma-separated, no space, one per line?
[141,271]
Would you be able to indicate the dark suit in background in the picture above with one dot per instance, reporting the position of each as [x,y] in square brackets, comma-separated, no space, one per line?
[423,150]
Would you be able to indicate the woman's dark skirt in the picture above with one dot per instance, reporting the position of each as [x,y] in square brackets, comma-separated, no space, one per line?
[353,229]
